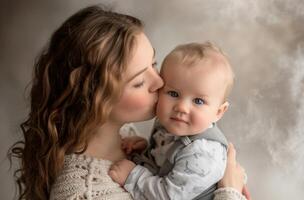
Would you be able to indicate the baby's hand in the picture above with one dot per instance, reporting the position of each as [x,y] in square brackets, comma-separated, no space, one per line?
[120,171]
[133,143]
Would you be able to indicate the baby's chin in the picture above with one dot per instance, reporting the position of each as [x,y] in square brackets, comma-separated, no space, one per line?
[182,132]
[176,131]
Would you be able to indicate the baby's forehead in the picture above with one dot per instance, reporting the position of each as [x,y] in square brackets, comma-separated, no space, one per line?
[211,60]
[214,58]
[213,65]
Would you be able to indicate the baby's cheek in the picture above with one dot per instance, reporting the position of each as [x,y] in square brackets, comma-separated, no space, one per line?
[199,123]
[161,108]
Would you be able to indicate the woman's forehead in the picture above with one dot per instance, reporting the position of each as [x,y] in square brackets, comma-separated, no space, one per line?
[142,57]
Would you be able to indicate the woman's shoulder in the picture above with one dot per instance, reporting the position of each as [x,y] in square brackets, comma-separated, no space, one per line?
[83,176]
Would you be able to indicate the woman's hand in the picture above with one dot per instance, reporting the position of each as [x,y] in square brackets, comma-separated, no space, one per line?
[133,143]
[235,175]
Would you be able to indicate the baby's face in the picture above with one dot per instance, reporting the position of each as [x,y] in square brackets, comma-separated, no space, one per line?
[190,100]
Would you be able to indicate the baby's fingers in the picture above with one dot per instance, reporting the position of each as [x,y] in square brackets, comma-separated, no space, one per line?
[128,150]
[114,175]
[126,147]
[124,143]
[113,167]
[142,144]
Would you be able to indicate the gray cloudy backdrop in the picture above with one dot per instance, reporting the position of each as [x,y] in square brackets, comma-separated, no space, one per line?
[264,40]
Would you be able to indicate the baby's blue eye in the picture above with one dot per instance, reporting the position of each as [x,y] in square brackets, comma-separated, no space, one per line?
[198,101]
[173,93]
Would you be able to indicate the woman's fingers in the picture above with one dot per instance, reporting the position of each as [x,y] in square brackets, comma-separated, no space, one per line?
[234,173]
[242,172]
[231,154]
[246,193]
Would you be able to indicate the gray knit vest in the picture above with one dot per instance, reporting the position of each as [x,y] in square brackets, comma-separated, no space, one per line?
[147,160]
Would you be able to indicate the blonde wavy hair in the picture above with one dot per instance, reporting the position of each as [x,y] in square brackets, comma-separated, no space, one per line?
[77,78]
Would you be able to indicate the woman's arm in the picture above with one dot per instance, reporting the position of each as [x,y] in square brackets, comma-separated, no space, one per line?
[232,186]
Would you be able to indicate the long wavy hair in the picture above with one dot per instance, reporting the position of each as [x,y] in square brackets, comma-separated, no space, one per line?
[76,80]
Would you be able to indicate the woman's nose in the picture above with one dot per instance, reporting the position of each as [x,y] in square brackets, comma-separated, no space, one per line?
[181,106]
[157,81]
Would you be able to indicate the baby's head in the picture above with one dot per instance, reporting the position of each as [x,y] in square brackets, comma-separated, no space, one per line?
[198,79]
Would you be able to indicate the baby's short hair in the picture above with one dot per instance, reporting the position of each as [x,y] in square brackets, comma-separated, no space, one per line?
[192,53]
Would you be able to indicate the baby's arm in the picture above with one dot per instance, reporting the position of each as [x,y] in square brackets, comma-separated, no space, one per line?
[192,174]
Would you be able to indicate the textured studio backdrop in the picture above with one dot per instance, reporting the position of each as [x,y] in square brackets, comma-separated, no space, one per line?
[265,43]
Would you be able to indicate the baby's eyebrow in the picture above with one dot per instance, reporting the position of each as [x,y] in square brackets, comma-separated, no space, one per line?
[197,94]
[202,95]
[168,86]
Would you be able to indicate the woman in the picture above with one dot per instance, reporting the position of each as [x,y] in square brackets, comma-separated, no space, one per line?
[97,73]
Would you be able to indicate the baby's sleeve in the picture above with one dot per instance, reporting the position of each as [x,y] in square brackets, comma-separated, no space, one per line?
[197,167]
[142,184]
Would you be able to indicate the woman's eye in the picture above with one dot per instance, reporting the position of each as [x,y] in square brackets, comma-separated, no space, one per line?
[173,93]
[154,64]
[138,85]
[199,101]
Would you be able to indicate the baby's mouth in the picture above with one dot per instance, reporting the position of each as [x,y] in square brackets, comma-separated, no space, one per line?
[178,120]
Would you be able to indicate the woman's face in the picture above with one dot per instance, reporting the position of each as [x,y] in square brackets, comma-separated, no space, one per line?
[139,96]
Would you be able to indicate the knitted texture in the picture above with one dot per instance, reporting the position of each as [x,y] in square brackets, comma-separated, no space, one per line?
[228,194]
[84,177]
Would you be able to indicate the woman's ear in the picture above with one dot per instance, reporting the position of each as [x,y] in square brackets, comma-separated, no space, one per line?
[221,110]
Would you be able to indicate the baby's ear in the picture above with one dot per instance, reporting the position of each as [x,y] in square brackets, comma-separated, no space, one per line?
[221,110]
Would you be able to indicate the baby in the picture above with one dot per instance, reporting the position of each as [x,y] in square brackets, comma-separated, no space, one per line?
[186,155]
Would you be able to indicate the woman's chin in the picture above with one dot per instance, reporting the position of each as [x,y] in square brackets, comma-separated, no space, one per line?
[145,117]
[148,117]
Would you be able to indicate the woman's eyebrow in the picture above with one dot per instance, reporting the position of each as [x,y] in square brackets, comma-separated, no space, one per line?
[143,70]
[138,73]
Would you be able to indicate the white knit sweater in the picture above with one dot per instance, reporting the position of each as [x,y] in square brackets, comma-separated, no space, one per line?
[84,177]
